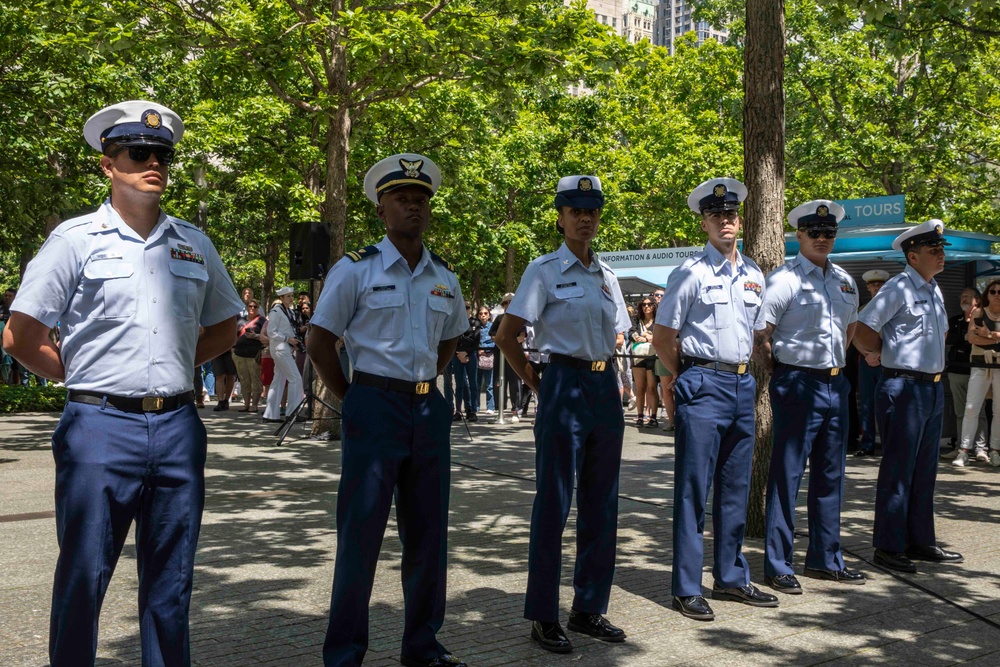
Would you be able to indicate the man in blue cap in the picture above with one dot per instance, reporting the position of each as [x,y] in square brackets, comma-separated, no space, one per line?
[906,323]
[811,307]
[129,286]
[399,309]
[704,335]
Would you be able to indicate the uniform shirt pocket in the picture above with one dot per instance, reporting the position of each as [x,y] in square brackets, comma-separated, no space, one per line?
[388,307]
[187,287]
[811,305]
[568,302]
[716,298]
[912,321]
[107,284]
[438,310]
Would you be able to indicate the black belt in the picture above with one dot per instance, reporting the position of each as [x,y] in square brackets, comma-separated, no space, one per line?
[582,364]
[132,404]
[912,375]
[820,372]
[392,384]
[739,369]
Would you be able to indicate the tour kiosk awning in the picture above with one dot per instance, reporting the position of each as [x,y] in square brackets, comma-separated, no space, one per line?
[864,243]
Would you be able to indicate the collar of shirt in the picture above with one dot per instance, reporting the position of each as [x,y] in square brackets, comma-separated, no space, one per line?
[807,265]
[720,263]
[107,219]
[390,255]
[567,259]
[918,280]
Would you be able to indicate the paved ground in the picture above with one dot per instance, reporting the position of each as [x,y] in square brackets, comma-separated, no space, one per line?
[265,565]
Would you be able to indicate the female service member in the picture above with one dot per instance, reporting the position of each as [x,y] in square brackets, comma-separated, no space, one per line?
[573,301]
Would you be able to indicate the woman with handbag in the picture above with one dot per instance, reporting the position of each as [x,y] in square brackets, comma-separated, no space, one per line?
[643,362]
[485,352]
[246,355]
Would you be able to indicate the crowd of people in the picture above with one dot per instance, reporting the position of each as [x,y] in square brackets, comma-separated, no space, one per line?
[143,298]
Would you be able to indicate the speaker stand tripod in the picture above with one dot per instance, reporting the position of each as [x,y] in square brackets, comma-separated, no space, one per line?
[308,401]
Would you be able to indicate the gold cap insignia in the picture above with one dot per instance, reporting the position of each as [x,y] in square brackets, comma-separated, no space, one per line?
[822,211]
[720,190]
[939,229]
[585,184]
[412,169]
[151,119]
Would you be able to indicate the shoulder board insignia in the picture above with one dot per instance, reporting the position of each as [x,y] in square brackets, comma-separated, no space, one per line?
[358,255]
[442,261]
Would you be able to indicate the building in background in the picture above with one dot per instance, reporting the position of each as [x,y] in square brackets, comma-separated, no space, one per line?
[674,18]
[608,12]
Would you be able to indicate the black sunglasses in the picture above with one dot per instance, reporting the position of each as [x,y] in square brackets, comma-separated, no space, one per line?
[825,233]
[163,154]
[995,291]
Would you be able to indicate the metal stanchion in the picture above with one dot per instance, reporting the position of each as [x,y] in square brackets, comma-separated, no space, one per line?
[499,400]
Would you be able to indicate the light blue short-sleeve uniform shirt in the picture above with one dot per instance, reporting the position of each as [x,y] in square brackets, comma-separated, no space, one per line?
[909,314]
[577,311]
[811,311]
[392,319]
[128,309]
[715,306]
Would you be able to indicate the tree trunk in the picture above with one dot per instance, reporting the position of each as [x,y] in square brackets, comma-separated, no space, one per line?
[764,166]
[201,214]
[334,212]
[511,281]
[271,261]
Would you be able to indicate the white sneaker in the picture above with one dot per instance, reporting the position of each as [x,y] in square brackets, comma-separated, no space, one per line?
[491,412]
[982,456]
[514,418]
[995,459]
[962,459]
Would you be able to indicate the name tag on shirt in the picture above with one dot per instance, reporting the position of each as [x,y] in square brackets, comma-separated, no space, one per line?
[383,288]
[105,255]
[919,303]
[712,287]
[566,285]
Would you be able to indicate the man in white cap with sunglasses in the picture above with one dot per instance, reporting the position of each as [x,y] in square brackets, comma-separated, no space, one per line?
[811,307]
[129,286]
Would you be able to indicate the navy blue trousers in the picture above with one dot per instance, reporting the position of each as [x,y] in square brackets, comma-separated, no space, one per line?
[868,378]
[114,467]
[395,444]
[910,419]
[810,426]
[714,451]
[578,432]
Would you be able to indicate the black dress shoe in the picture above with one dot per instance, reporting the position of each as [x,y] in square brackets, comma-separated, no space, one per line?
[471,417]
[694,606]
[935,554]
[457,417]
[443,660]
[550,636]
[596,626]
[784,583]
[864,452]
[748,594]
[894,560]
[844,576]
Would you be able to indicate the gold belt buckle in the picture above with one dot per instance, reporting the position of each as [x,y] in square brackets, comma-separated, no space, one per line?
[741,369]
[422,388]
[152,403]
[597,366]
[834,372]
[937,378]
